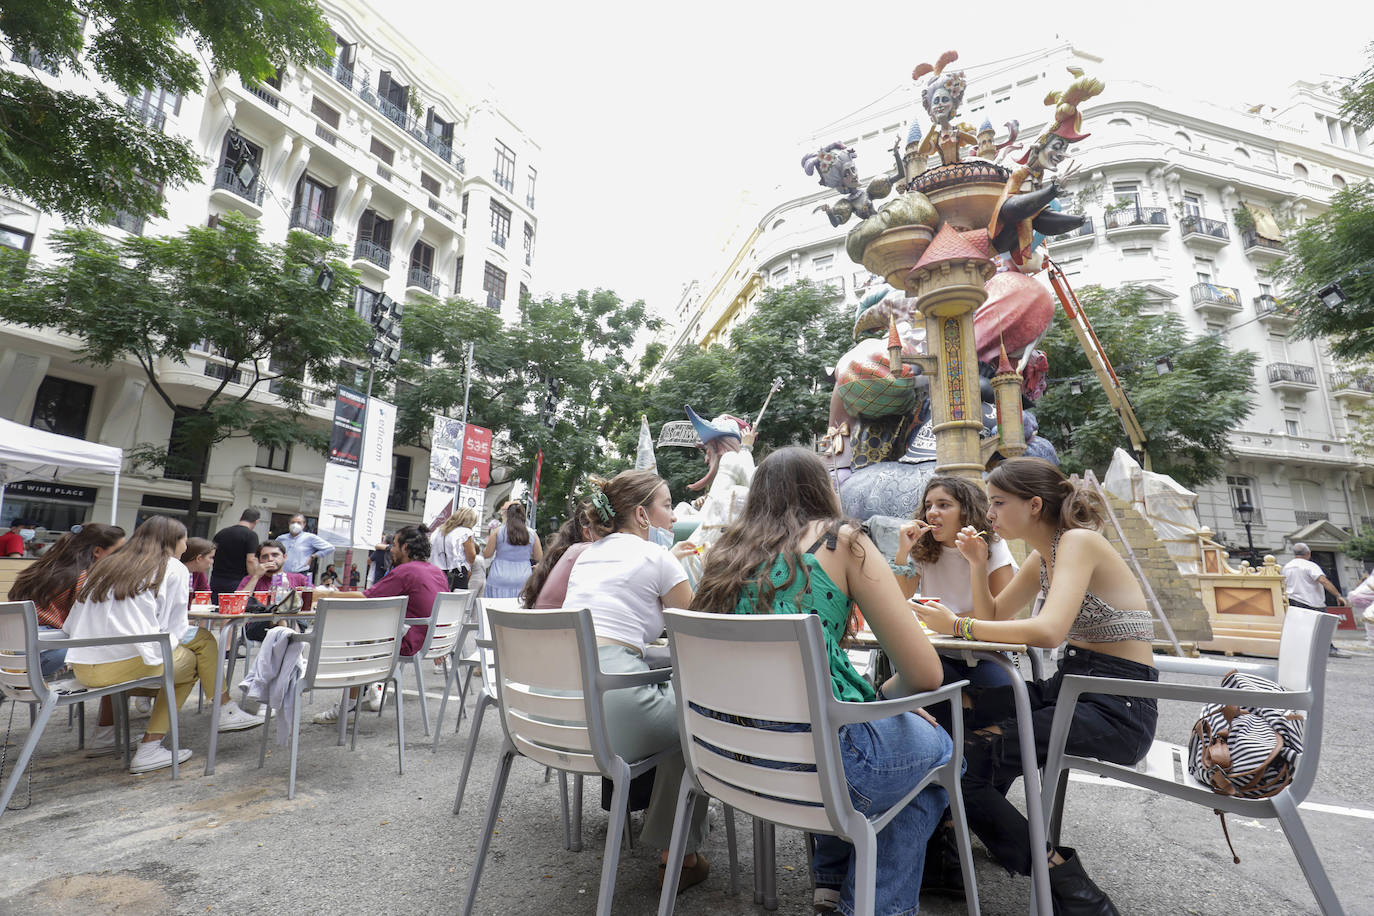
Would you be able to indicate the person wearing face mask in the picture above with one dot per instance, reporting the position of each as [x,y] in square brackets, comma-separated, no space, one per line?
[302,546]
[626,581]
[513,549]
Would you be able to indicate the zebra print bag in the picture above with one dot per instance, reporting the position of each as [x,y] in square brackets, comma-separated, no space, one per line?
[1245,751]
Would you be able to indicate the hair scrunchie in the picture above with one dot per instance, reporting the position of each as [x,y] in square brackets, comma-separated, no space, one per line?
[602,504]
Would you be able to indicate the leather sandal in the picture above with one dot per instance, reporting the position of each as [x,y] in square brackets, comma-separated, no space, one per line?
[691,876]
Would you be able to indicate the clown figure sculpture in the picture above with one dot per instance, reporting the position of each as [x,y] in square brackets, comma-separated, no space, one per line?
[834,166]
[941,96]
[727,447]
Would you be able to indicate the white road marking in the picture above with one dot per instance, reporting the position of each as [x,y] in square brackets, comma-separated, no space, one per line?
[1340,810]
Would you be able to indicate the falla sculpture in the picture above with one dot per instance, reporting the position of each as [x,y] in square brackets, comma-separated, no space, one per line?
[958,243]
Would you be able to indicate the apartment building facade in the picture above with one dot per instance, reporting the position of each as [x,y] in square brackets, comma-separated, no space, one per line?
[430,189]
[1189,201]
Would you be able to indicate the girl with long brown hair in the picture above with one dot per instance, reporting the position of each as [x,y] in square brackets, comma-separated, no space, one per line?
[513,549]
[455,547]
[793,551]
[139,589]
[1094,601]
[548,584]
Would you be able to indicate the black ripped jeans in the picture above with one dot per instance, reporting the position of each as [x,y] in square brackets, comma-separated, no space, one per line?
[1116,729]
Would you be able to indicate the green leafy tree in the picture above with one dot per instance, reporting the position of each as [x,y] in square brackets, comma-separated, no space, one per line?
[1187,413]
[1358,104]
[148,301]
[795,333]
[559,379]
[84,156]
[1335,248]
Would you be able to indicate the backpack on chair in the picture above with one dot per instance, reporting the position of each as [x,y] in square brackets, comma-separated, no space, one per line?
[1245,751]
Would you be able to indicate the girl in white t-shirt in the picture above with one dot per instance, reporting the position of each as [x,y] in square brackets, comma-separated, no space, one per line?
[626,580]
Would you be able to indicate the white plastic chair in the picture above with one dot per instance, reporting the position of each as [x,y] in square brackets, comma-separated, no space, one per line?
[1300,672]
[443,627]
[21,680]
[773,667]
[354,642]
[549,688]
[466,660]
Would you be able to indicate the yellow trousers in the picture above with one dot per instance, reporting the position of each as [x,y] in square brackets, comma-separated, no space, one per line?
[193,661]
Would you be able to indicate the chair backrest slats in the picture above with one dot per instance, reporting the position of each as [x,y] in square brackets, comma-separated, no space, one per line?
[562,709]
[18,626]
[786,785]
[355,641]
[547,660]
[564,760]
[743,679]
[449,610]
[784,747]
[802,817]
[549,735]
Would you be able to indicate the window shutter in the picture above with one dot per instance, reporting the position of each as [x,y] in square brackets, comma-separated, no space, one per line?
[384,83]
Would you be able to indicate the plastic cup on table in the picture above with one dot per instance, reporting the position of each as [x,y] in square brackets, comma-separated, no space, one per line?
[201,597]
[264,598]
[233,602]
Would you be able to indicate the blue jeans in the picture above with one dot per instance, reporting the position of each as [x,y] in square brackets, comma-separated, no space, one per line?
[51,660]
[883,760]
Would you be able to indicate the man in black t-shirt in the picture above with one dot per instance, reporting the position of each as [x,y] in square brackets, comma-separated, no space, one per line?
[233,546]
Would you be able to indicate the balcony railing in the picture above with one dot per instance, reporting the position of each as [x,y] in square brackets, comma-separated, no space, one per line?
[1084,230]
[1352,381]
[1292,373]
[424,279]
[1307,517]
[443,211]
[228,181]
[393,112]
[1201,225]
[1251,238]
[493,302]
[155,118]
[267,96]
[303,217]
[1211,293]
[498,239]
[1266,306]
[1136,216]
[343,74]
[369,250]
[436,143]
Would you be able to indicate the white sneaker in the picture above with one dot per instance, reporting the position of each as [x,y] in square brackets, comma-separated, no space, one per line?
[102,741]
[330,716]
[232,718]
[374,697]
[143,706]
[151,755]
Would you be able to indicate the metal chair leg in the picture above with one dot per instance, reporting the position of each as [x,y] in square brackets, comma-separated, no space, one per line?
[482,702]
[498,789]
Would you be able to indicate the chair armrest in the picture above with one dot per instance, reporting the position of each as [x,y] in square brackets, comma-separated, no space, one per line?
[636,679]
[850,713]
[72,643]
[416,621]
[484,643]
[1076,684]
[1216,666]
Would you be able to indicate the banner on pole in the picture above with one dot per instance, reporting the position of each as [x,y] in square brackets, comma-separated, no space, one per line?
[476,466]
[474,498]
[371,521]
[446,449]
[336,503]
[378,432]
[438,502]
[346,435]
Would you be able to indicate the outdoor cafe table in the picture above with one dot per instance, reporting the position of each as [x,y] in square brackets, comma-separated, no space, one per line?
[974,652]
[233,625]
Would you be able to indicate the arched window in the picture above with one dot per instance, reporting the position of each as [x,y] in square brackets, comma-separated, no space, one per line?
[1338,181]
[1183,140]
[1299,170]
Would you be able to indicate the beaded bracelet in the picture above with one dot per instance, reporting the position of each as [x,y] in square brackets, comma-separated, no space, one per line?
[907,569]
[963,627]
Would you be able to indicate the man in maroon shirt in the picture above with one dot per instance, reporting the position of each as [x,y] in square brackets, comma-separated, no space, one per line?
[411,575]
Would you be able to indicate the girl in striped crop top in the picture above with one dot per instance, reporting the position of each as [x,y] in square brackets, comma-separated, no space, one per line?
[1094,602]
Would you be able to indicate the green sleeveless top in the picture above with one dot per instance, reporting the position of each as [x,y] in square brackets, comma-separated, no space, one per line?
[824,599]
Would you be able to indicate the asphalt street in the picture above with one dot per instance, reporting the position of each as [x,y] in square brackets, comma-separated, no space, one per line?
[361,839]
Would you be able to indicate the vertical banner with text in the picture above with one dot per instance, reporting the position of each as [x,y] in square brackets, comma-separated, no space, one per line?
[354,515]
[476,466]
[375,471]
[445,463]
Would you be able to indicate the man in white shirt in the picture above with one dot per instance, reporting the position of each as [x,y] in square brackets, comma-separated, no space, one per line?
[302,546]
[1304,582]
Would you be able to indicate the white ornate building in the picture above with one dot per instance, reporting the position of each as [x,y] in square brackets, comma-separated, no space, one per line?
[430,189]
[1162,180]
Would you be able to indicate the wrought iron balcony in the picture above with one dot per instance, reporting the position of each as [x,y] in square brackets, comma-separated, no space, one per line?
[1307,516]
[1291,377]
[1207,231]
[1083,233]
[269,97]
[1274,312]
[443,211]
[369,250]
[226,179]
[1137,218]
[423,279]
[1352,385]
[498,239]
[393,112]
[303,217]
[343,74]
[1257,246]
[1209,297]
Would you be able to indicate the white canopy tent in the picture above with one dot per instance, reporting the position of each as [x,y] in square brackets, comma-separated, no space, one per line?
[27,453]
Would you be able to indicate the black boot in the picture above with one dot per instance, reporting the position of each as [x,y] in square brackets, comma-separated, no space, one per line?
[1073,893]
[942,875]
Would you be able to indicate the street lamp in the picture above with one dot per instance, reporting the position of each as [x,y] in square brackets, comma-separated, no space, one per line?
[1332,296]
[1246,513]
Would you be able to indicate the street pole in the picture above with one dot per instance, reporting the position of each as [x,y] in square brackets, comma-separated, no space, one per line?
[1250,544]
[467,381]
[358,484]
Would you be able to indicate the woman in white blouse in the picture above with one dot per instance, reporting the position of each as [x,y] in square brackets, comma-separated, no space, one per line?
[139,589]
[626,579]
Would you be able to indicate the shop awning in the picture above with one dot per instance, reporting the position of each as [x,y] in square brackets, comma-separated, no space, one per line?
[27,453]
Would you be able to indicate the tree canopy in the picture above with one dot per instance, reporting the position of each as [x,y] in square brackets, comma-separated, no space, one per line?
[1337,248]
[259,308]
[84,156]
[559,379]
[1187,413]
[1358,104]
